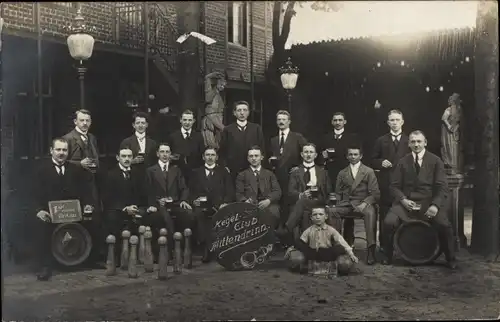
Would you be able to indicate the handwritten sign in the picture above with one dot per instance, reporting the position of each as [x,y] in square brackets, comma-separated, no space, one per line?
[65,211]
[242,236]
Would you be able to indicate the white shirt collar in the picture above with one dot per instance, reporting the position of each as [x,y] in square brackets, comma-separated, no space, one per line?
[183,130]
[396,134]
[123,168]
[285,132]
[80,131]
[210,166]
[355,166]
[338,131]
[420,155]
[162,164]
[308,164]
[256,169]
[55,162]
[242,124]
[139,135]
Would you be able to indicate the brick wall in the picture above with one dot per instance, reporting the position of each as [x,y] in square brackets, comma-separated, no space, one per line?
[54,16]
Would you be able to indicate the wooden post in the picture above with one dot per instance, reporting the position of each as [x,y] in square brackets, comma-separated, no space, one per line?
[485,221]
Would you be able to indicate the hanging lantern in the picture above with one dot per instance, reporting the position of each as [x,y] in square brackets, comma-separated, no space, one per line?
[289,75]
[80,44]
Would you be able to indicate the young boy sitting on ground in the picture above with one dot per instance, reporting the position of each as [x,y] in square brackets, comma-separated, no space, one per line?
[321,243]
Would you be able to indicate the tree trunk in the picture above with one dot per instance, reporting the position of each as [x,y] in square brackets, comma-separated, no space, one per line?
[485,224]
[188,19]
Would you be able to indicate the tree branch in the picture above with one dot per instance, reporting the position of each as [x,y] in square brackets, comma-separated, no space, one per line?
[287,21]
[276,23]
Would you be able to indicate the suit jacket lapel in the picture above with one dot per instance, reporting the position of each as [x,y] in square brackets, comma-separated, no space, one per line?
[253,180]
[359,176]
[172,172]
[79,140]
[159,177]
[287,147]
[424,166]
[135,144]
[319,179]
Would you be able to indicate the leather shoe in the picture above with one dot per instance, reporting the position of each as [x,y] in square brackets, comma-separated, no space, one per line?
[206,257]
[45,274]
[451,265]
[370,257]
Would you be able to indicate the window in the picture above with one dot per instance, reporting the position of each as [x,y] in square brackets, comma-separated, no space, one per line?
[237,22]
[66,4]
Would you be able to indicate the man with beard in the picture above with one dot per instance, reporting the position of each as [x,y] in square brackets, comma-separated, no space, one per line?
[57,180]
[188,144]
[419,188]
[214,183]
[259,186]
[142,146]
[388,150]
[123,197]
[286,149]
[237,138]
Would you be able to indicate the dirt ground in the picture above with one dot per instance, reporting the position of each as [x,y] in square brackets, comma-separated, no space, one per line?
[208,292]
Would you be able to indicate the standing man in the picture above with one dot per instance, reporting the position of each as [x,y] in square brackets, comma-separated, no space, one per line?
[419,187]
[388,150]
[287,148]
[259,186]
[188,144]
[56,180]
[238,137]
[167,188]
[357,191]
[333,146]
[213,182]
[142,146]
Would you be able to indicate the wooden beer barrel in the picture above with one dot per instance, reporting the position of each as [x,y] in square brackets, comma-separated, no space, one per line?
[417,242]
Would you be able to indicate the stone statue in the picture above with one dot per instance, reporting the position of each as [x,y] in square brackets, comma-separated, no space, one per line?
[450,134]
[212,122]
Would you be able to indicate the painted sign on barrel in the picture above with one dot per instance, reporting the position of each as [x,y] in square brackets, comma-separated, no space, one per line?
[242,236]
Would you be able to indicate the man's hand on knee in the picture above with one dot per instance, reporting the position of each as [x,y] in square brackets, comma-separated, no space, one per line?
[43,215]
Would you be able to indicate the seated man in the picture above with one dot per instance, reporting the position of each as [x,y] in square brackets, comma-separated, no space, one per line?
[123,198]
[260,186]
[323,243]
[302,179]
[419,187]
[57,179]
[357,191]
[213,182]
[167,195]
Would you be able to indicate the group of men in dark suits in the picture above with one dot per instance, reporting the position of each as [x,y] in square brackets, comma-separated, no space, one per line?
[165,184]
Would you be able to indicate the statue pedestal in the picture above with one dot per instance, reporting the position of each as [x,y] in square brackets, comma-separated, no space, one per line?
[456,208]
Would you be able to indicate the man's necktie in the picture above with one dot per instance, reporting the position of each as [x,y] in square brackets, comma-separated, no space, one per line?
[395,141]
[307,174]
[60,168]
[337,136]
[165,172]
[126,174]
[186,135]
[85,138]
[210,173]
[282,142]
[241,128]
[417,166]
[259,193]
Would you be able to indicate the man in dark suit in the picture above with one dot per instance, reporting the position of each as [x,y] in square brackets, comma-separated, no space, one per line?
[83,150]
[259,186]
[302,179]
[142,146]
[188,144]
[214,183]
[336,143]
[123,198]
[168,198]
[420,189]
[388,150]
[357,191]
[237,138]
[286,147]
[56,180]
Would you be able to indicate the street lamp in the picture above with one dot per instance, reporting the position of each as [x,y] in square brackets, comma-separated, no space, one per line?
[289,76]
[80,46]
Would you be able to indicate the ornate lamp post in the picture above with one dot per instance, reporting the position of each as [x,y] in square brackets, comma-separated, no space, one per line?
[289,76]
[80,46]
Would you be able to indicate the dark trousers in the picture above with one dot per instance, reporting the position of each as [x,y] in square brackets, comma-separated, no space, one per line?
[370,219]
[301,215]
[116,222]
[440,222]
[174,220]
[203,224]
